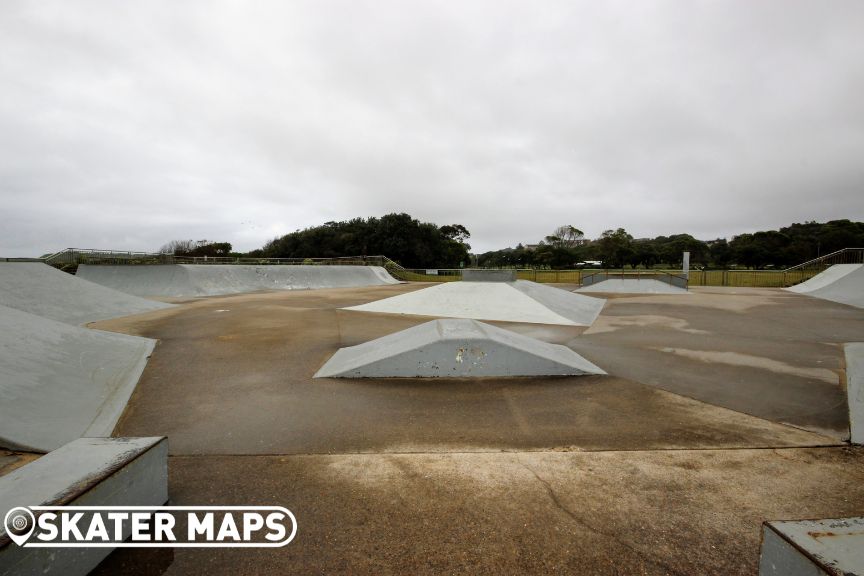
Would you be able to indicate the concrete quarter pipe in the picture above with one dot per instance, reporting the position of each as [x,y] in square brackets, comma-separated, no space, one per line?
[843,283]
[189,280]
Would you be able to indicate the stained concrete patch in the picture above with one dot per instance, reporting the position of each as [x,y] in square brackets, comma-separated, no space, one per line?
[59,382]
[39,289]
[278,340]
[455,348]
[613,323]
[191,280]
[801,332]
[726,299]
[520,301]
[612,513]
[749,361]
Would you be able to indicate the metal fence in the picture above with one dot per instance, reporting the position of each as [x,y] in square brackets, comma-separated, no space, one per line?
[74,256]
[71,257]
[735,278]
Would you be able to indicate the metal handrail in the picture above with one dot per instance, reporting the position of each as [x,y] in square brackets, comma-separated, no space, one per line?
[73,256]
[859,252]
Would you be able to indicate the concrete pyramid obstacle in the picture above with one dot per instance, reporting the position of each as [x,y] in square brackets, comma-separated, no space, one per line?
[519,301]
[59,382]
[455,348]
[189,280]
[40,289]
[843,283]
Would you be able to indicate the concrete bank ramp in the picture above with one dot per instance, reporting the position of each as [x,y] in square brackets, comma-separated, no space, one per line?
[633,286]
[60,382]
[843,283]
[520,301]
[45,291]
[189,280]
[455,348]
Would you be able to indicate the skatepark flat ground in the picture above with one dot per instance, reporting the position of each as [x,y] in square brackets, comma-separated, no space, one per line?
[722,408]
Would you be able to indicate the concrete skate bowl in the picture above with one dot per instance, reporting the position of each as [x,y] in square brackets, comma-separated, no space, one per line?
[520,301]
[60,381]
[842,283]
[191,280]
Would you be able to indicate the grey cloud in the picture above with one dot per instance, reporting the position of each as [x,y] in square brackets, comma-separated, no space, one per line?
[126,125]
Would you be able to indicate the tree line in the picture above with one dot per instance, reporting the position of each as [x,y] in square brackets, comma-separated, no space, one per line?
[416,244]
[567,247]
[404,239]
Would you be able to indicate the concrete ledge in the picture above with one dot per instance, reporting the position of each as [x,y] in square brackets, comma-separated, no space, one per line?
[86,472]
[474,275]
[855,389]
[812,547]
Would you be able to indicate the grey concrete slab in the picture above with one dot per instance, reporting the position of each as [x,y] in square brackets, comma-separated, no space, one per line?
[187,280]
[85,472]
[843,283]
[600,513]
[454,348]
[234,375]
[633,286]
[520,301]
[45,291]
[480,275]
[855,389]
[833,547]
[59,382]
[760,351]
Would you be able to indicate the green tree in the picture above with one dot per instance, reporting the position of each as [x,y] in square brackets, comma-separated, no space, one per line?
[615,248]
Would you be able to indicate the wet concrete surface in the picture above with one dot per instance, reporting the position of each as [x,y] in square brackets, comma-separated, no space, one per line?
[234,376]
[667,512]
[763,352]
[587,475]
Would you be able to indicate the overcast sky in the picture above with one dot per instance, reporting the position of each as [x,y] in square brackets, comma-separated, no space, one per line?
[127,124]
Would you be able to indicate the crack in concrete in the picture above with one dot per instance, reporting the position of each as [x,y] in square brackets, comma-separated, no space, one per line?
[553,496]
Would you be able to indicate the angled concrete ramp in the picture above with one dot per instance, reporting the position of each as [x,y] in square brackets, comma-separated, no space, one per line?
[520,301]
[190,280]
[42,290]
[633,286]
[455,348]
[60,382]
[843,283]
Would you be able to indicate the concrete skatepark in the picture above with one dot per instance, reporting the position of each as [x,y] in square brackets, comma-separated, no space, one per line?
[721,408]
